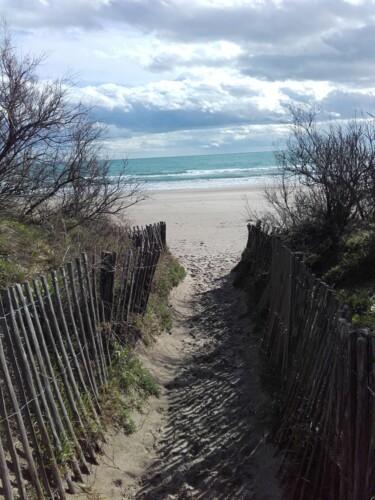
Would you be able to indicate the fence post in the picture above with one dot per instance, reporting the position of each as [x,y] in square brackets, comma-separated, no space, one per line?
[107,283]
[163,234]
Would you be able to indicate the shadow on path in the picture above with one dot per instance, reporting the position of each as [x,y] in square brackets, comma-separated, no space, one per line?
[214,442]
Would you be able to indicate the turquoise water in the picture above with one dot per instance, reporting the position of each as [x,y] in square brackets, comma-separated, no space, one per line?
[241,169]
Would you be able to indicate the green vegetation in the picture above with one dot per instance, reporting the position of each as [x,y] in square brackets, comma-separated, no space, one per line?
[29,249]
[158,315]
[355,260]
[24,251]
[350,271]
[129,387]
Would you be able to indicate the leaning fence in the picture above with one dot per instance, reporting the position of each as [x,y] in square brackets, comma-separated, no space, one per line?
[326,369]
[56,335]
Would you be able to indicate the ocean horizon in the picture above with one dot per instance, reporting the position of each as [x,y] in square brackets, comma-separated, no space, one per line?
[203,171]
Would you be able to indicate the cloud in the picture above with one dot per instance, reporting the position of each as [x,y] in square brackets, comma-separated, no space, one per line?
[188,103]
[341,57]
[193,103]
[169,68]
[287,39]
[199,141]
[260,23]
[348,104]
[55,14]
[213,54]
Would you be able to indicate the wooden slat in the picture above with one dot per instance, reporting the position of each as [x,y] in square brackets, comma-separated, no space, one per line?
[94,320]
[89,327]
[77,319]
[33,400]
[327,374]
[5,421]
[52,355]
[64,370]
[10,383]
[50,375]
[45,399]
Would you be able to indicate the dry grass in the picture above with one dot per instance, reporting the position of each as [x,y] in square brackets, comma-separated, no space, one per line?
[28,250]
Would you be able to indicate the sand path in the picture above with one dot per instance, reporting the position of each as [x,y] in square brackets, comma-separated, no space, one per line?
[204,437]
[212,441]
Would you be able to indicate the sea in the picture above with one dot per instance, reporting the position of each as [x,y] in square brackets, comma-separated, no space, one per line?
[203,171]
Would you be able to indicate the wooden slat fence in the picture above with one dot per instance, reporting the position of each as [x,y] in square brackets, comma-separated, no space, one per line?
[55,351]
[326,433]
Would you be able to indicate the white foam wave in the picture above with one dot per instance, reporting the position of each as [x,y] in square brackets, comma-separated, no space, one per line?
[210,183]
[227,172]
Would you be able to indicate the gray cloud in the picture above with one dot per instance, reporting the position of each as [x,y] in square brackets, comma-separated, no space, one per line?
[338,103]
[52,14]
[260,23]
[296,39]
[348,104]
[143,118]
[318,40]
[344,56]
[320,67]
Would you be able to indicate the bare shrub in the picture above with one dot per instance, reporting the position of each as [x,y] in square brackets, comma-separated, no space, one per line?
[327,178]
[51,155]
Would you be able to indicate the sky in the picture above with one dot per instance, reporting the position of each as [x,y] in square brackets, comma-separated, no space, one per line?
[183,77]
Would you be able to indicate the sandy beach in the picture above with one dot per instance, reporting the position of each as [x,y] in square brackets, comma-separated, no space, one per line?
[201,222]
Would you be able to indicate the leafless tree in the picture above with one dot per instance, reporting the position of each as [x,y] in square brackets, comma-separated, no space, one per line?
[327,175]
[51,156]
